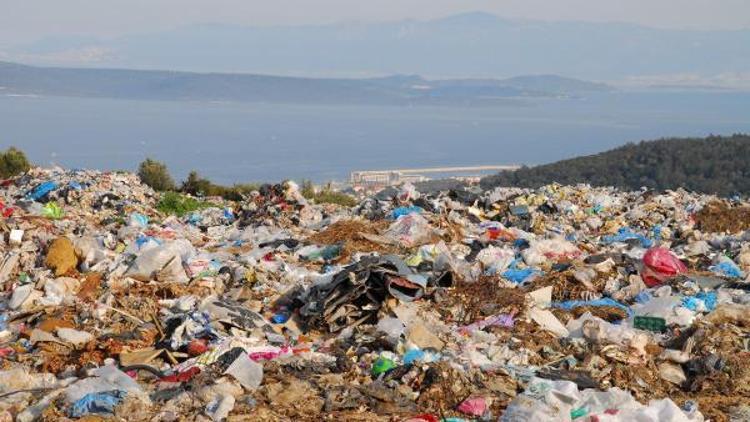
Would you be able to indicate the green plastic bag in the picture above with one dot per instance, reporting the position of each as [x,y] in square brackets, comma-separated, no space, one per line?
[382,365]
[53,211]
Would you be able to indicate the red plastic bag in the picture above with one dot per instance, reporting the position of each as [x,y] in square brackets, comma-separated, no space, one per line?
[659,265]
[182,376]
[6,211]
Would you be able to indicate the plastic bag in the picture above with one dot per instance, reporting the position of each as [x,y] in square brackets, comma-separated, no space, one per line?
[137,220]
[727,268]
[545,250]
[496,260]
[659,265]
[163,263]
[393,327]
[246,371]
[41,190]
[105,378]
[521,275]
[473,406]
[400,211]
[411,230]
[626,233]
[561,401]
[701,302]
[53,211]
[408,192]
[103,402]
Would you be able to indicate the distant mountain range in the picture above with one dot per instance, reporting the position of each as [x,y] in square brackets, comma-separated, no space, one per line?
[474,45]
[17,79]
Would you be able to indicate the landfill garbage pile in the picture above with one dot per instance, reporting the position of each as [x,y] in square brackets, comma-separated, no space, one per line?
[561,303]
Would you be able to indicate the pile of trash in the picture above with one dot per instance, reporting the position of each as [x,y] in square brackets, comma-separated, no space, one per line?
[561,303]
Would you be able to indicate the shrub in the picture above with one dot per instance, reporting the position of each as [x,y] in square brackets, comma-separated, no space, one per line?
[307,189]
[196,185]
[13,162]
[179,205]
[326,195]
[238,191]
[333,197]
[199,186]
[155,174]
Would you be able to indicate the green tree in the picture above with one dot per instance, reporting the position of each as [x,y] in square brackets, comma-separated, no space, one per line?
[155,174]
[710,165]
[13,162]
[197,186]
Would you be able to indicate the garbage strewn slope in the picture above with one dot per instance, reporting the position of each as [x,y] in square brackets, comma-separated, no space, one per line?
[560,303]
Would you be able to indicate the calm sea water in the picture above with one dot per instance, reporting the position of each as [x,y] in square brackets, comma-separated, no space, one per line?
[269,142]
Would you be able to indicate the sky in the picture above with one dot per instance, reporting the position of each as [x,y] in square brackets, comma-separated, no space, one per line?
[27,20]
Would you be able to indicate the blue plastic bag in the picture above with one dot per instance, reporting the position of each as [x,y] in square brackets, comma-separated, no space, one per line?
[40,190]
[643,297]
[519,276]
[194,219]
[280,318]
[626,233]
[656,232]
[727,268]
[142,240]
[572,304]
[228,214]
[398,212]
[102,402]
[694,302]
[138,219]
[413,355]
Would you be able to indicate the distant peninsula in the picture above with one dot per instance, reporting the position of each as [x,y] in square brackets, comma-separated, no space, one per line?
[19,79]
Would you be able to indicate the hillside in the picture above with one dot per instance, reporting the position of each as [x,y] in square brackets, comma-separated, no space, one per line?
[170,85]
[711,165]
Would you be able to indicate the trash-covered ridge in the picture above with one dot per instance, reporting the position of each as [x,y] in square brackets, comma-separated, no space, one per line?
[561,303]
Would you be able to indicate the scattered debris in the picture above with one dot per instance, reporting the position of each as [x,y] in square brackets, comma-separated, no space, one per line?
[562,303]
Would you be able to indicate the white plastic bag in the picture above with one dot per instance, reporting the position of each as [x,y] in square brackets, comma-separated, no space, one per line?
[163,263]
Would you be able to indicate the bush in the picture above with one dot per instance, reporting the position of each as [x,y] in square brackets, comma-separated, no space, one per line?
[199,186]
[179,205]
[307,189]
[238,191]
[155,174]
[326,195]
[333,197]
[196,185]
[13,162]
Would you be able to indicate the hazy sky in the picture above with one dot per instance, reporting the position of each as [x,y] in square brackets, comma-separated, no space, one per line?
[25,20]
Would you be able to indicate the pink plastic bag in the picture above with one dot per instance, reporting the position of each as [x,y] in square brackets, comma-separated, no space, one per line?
[474,407]
[660,264]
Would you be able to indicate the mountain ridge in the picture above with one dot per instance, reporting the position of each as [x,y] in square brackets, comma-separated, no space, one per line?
[23,79]
[476,45]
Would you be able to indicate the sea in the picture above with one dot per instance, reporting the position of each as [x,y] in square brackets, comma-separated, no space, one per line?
[251,142]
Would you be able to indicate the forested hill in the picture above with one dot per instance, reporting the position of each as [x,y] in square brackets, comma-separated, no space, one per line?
[715,164]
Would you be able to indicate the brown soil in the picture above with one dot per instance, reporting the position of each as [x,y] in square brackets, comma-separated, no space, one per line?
[718,217]
[348,233]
